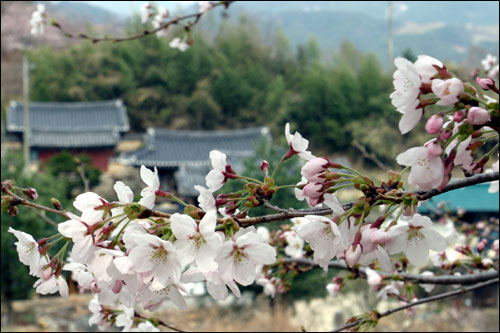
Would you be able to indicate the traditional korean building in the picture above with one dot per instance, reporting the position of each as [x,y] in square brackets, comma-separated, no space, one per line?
[91,128]
[182,156]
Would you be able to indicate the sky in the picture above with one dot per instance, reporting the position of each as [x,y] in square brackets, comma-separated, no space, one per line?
[124,8]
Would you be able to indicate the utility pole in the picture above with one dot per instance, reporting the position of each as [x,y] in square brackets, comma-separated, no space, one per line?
[390,40]
[26,113]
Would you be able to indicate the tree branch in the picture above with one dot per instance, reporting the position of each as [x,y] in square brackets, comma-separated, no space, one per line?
[146,32]
[421,195]
[25,202]
[460,291]
[443,279]
[370,156]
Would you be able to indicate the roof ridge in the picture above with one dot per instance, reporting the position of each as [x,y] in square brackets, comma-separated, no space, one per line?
[116,102]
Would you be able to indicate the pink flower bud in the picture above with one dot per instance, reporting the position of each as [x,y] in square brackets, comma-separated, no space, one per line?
[264,166]
[353,254]
[444,135]
[434,124]
[314,167]
[478,116]
[313,190]
[46,272]
[31,193]
[485,83]
[480,225]
[481,245]
[434,148]
[458,116]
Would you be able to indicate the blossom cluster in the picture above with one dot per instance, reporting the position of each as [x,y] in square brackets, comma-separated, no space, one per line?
[459,131]
[133,257]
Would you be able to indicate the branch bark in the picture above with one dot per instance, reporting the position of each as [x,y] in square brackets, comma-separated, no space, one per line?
[146,32]
[463,290]
[421,195]
[443,279]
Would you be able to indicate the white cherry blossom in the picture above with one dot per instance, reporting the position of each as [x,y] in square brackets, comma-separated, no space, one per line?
[239,256]
[415,238]
[156,259]
[180,44]
[427,171]
[196,242]
[52,285]
[38,20]
[294,246]
[27,249]
[206,198]
[152,181]
[425,66]
[448,91]
[215,178]
[324,237]
[298,144]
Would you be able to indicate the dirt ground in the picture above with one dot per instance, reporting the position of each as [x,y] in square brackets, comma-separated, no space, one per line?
[48,314]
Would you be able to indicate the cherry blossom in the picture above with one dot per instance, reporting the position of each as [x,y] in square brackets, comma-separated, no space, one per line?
[152,181]
[415,238]
[448,91]
[324,237]
[51,285]
[405,96]
[198,243]
[146,12]
[206,198]
[294,246]
[38,20]
[87,203]
[27,249]
[205,6]
[488,62]
[298,145]
[216,178]
[494,184]
[239,256]
[373,278]
[159,20]
[426,67]
[427,171]
[180,44]
[156,258]
[145,326]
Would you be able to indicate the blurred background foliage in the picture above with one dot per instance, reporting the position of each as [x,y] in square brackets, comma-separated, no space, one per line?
[234,80]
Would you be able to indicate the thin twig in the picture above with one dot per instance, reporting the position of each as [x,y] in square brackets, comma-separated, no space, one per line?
[443,279]
[144,33]
[81,172]
[25,202]
[460,291]
[370,156]
[161,322]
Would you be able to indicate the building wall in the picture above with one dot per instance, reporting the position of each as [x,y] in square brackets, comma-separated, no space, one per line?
[100,157]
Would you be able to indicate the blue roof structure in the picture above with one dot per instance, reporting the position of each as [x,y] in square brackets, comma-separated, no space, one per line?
[474,199]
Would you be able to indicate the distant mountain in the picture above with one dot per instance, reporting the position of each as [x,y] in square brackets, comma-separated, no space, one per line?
[445,29]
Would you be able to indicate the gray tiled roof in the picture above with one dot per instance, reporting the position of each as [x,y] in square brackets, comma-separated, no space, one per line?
[71,124]
[173,148]
[74,139]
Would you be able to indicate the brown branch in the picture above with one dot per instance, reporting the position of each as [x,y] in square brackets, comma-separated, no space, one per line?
[421,195]
[370,156]
[443,279]
[25,202]
[81,171]
[460,291]
[146,32]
